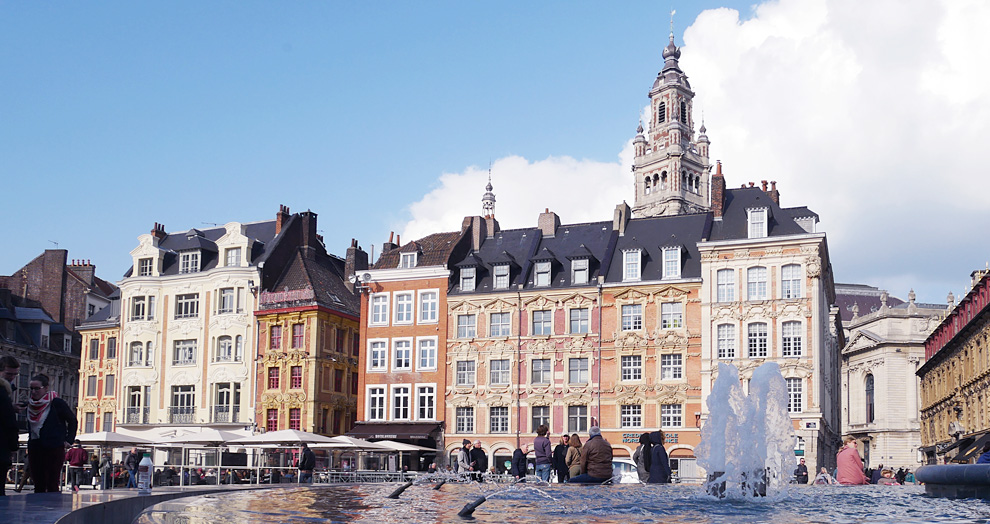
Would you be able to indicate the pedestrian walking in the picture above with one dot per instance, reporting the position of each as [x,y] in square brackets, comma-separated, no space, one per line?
[131,462]
[544,453]
[52,427]
[573,458]
[642,457]
[76,457]
[560,459]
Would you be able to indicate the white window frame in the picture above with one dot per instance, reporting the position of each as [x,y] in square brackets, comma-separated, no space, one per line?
[791,338]
[756,220]
[376,402]
[756,283]
[725,335]
[226,300]
[545,323]
[189,261]
[146,267]
[671,366]
[580,271]
[504,328]
[469,327]
[543,419]
[500,374]
[578,366]
[498,419]
[232,257]
[426,353]
[632,317]
[429,304]
[631,416]
[795,395]
[545,373]
[184,352]
[632,270]
[379,305]
[671,263]
[465,373]
[671,416]
[464,419]
[468,278]
[426,401]
[631,368]
[671,315]
[407,260]
[378,355]
[583,320]
[757,341]
[187,305]
[725,285]
[577,419]
[402,354]
[500,276]
[225,349]
[404,308]
[790,281]
[541,273]
[401,395]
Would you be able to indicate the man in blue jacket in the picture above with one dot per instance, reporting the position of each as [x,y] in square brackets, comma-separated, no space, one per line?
[659,462]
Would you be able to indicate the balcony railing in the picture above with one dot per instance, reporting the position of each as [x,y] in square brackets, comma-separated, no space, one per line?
[136,415]
[225,414]
[181,414]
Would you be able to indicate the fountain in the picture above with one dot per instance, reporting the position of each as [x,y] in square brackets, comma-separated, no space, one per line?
[747,443]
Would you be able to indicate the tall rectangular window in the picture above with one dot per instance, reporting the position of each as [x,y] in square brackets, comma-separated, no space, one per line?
[298,331]
[295,419]
[756,283]
[791,341]
[577,371]
[338,380]
[541,371]
[541,417]
[428,307]
[579,271]
[407,260]
[403,308]
[426,402]
[91,387]
[500,324]
[139,308]
[726,341]
[464,419]
[379,309]
[542,278]
[184,352]
[402,350]
[376,403]
[790,281]
[757,340]
[295,377]
[671,367]
[183,408]
[145,266]
[465,373]
[227,303]
[671,416]
[632,317]
[189,262]
[273,373]
[271,420]
[671,315]
[500,372]
[726,285]
[795,395]
[466,326]
[94,349]
[498,419]
[400,403]
[542,323]
[108,422]
[630,265]
[89,425]
[275,340]
[467,278]
[377,356]
[111,348]
[632,367]
[338,342]
[577,419]
[501,276]
[187,306]
[109,384]
[427,358]
[631,416]
[232,257]
[757,223]
[579,321]
[671,262]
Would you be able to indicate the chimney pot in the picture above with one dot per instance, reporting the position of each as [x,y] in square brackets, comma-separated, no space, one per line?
[764,184]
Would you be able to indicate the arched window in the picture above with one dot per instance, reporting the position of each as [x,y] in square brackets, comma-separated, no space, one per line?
[225,349]
[870,413]
[646,186]
[661,114]
[238,348]
[135,356]
[656,179]
[663,180]
[684,115]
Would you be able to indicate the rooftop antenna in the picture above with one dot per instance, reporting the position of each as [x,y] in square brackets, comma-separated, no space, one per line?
[214,224]
[54,242]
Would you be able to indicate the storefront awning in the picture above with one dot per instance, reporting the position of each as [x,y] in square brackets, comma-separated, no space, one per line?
[394,430]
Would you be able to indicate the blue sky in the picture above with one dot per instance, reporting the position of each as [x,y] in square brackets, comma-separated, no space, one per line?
[116,115]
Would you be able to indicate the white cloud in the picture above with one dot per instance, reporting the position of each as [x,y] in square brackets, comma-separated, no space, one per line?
[871,113]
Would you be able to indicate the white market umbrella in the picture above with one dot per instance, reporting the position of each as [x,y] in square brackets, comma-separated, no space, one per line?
[402,446]
[112,439]
[206,437]
[291,437]
[361,444]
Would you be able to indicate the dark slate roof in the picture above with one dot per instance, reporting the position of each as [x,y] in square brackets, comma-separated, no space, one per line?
[325,275]
[205,241]
[652,234]
[867,297]
[32,314]
[800,212]
[734,223]
[434,249]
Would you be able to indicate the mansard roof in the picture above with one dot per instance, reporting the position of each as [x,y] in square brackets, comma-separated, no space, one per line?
[263,233]
[652,234]
[434,250]
[322,273]
[735,221]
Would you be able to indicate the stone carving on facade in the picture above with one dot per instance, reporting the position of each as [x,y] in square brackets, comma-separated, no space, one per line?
[813,267]
[227,321]
[671,337]
[274,400]
[184,327]
[775,251]
[575,399]
[539,399]
[579,343]
[183,378]
[709,256]
[142,378]
[88,405]
[108,404]
[670,292]
[540,302]
[725,312]
[757,310]
[236,373]
[498,306]
[541,346]
[630,340]
[630,295]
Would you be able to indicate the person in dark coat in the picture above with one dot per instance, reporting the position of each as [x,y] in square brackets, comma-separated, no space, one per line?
[479,461]
[560,459]
[518,468]
[307,463]
[643,457]
[8,427]
[801,473]
[659,462]
[131,462]
[877,473]
[53,427]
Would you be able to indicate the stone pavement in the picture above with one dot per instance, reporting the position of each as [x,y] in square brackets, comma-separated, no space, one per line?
[96,506]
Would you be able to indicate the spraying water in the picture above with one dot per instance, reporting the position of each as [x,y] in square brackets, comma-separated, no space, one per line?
[747,443]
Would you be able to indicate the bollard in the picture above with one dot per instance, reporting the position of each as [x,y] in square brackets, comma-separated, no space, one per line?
[469,509]
[398,491]
[439,485]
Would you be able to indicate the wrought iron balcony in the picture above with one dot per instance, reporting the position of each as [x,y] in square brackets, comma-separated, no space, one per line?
[136,415]
[225,414]
[181,414]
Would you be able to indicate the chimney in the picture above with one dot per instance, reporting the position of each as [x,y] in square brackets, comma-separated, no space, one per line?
[159,231]
[763,184]
[309,237]
[356,260]
[621,218]
[774,194]
[491,226]
[718,191]
[281,217]
[84,270]
[388,246]
[548,223]
[478,234]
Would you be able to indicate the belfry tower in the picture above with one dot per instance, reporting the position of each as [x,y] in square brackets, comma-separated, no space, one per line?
[671,167]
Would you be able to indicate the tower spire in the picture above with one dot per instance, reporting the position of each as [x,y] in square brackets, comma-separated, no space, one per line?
[488,199]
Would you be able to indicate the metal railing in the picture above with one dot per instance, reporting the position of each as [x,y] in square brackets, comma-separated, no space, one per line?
[136,415]
[181,414]
[225,413]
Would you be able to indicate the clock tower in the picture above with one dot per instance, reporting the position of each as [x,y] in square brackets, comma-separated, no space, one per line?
[671,166]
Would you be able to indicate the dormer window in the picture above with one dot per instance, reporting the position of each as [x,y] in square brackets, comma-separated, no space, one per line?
[407,260]
[145,267]
[542,278]
[579,271]
[631,267]
[467,278]
[501,276]
[671,262]
[757,219]
[189,262]
[232,257]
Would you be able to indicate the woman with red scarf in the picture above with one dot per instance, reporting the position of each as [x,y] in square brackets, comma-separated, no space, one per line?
[52,427]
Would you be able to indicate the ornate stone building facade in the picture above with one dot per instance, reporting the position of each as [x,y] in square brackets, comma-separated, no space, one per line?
[880,391]
[955,379]
[99,370]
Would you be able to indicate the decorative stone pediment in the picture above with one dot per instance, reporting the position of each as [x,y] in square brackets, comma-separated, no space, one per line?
[183,378]
[227,373]
[672,337]
[794,310]
[462,306]
[539,302]
[631,339]
[462,401]
[499,305]
[795,369]
[757,310]
[630,295]
[578,344]
[499,400]
[227,321]
[142,378]
[671,292]
[578,300]
[501,348]
[539,399]
[723,313]
[576,399]
[185,328]
[813,267]
[541,346]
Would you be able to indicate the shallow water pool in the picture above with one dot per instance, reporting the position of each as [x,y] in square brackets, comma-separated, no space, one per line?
[565,503]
